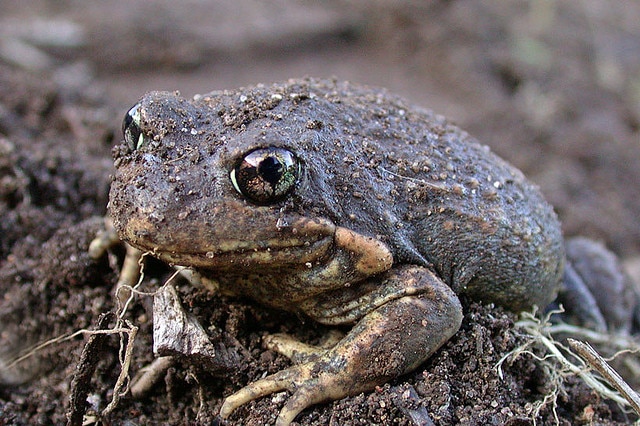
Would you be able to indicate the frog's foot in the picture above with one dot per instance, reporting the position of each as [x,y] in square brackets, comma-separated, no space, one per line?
[307,390]
[596,290]
[392,339]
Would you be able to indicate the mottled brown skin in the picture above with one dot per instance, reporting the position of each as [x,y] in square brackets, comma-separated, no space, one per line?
[395,211]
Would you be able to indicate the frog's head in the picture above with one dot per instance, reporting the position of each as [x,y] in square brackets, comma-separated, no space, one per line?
[224,180]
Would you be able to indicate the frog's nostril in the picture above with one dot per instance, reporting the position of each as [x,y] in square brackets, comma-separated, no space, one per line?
[131,128]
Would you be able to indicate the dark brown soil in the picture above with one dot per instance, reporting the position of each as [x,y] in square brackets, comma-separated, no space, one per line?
[554,87]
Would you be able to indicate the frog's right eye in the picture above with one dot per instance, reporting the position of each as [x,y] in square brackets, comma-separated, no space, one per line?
[131,128]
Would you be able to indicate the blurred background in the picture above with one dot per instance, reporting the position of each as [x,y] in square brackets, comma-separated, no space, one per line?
[551,85]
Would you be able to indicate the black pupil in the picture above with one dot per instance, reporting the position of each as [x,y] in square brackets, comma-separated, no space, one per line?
[271,170]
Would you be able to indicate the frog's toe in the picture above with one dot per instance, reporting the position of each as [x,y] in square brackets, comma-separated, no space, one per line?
[307,391]
[283,380]
[297,351]
[250,392]
[303,397]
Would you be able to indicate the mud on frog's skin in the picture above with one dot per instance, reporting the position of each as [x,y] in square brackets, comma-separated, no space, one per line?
[341,203]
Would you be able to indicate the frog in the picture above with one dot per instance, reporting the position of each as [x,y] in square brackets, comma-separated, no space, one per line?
[343,204]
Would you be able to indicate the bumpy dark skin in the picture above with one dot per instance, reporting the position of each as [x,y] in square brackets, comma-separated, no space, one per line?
[382,215]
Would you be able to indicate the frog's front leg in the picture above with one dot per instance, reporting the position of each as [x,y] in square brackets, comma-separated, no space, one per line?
[393,338]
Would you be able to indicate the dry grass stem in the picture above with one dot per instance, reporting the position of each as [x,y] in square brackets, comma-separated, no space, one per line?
[560,361]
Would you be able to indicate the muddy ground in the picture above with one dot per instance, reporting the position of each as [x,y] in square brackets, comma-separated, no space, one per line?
[554,87]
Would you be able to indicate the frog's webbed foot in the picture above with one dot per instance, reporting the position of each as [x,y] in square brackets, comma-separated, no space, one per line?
[596,291]
[392,339]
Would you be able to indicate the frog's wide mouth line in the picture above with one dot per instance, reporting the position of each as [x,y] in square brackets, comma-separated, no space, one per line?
[259,240]
[234,253]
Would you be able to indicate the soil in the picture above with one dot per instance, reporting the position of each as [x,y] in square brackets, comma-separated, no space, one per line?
[554,87]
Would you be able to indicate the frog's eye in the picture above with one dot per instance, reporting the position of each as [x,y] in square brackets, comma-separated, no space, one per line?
[131,128]
[266,175]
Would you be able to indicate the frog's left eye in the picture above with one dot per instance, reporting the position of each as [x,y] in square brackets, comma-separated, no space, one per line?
[266,175]
[131,128]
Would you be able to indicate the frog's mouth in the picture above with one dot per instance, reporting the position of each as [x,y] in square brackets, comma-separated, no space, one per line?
[285,242]
[285,253]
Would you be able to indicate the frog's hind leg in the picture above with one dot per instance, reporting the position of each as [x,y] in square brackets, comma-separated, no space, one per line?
[596,291]
[578,300]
